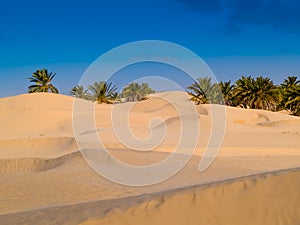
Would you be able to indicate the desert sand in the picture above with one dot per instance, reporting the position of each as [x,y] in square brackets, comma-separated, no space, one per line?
[44,179]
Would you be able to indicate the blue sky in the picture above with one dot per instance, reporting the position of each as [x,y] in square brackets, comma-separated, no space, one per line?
[234,37]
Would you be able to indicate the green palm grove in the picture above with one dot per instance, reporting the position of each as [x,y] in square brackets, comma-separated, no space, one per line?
[106,92]
[246,92]
[249,92]
[136,92]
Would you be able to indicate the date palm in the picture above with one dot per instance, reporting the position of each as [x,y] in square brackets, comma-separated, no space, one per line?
[242,91]
[256,93]
[290,82]
[286,92]
[79,92]
[227,92]
[293,103]
[203,91]
[42,82]
[290,95]
[147,89]
[136,92]
[103,92]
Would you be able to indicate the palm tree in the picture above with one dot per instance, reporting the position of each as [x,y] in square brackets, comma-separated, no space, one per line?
[215,95]
[79,92]
[136,92]
[115,97]
[286,92]
[198,90]
[103,92]
[42,82]
[227,89]
[290,82]
[289,93]
[203,91]
[242,91]
[147,89]
[256,93]
[293,102]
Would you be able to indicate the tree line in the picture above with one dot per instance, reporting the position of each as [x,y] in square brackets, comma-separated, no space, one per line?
[100,92]
[246,92]
[249,92]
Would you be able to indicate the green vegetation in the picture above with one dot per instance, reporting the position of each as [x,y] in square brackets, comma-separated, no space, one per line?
[204,91]
[103,92]
[79,92]
[290,95]
[42,82]
[136,92]
[256,93]
[248,92]
[226,89]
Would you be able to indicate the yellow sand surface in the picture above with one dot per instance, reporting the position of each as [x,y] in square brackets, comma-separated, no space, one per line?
[45,180]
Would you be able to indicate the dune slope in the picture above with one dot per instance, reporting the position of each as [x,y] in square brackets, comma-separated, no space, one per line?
[258,199]
[45,180]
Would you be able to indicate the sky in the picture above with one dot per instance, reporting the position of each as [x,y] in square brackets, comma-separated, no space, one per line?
[233,37]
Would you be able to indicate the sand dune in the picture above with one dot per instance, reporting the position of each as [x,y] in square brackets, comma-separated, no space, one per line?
[230,202]
[233,202]
[45,180]
[35,165]
[176,120]
[37,147]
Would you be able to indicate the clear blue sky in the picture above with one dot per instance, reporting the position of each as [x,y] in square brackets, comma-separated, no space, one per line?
[234,37]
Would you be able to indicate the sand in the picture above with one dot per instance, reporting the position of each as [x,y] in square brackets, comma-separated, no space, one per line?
[45,180]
